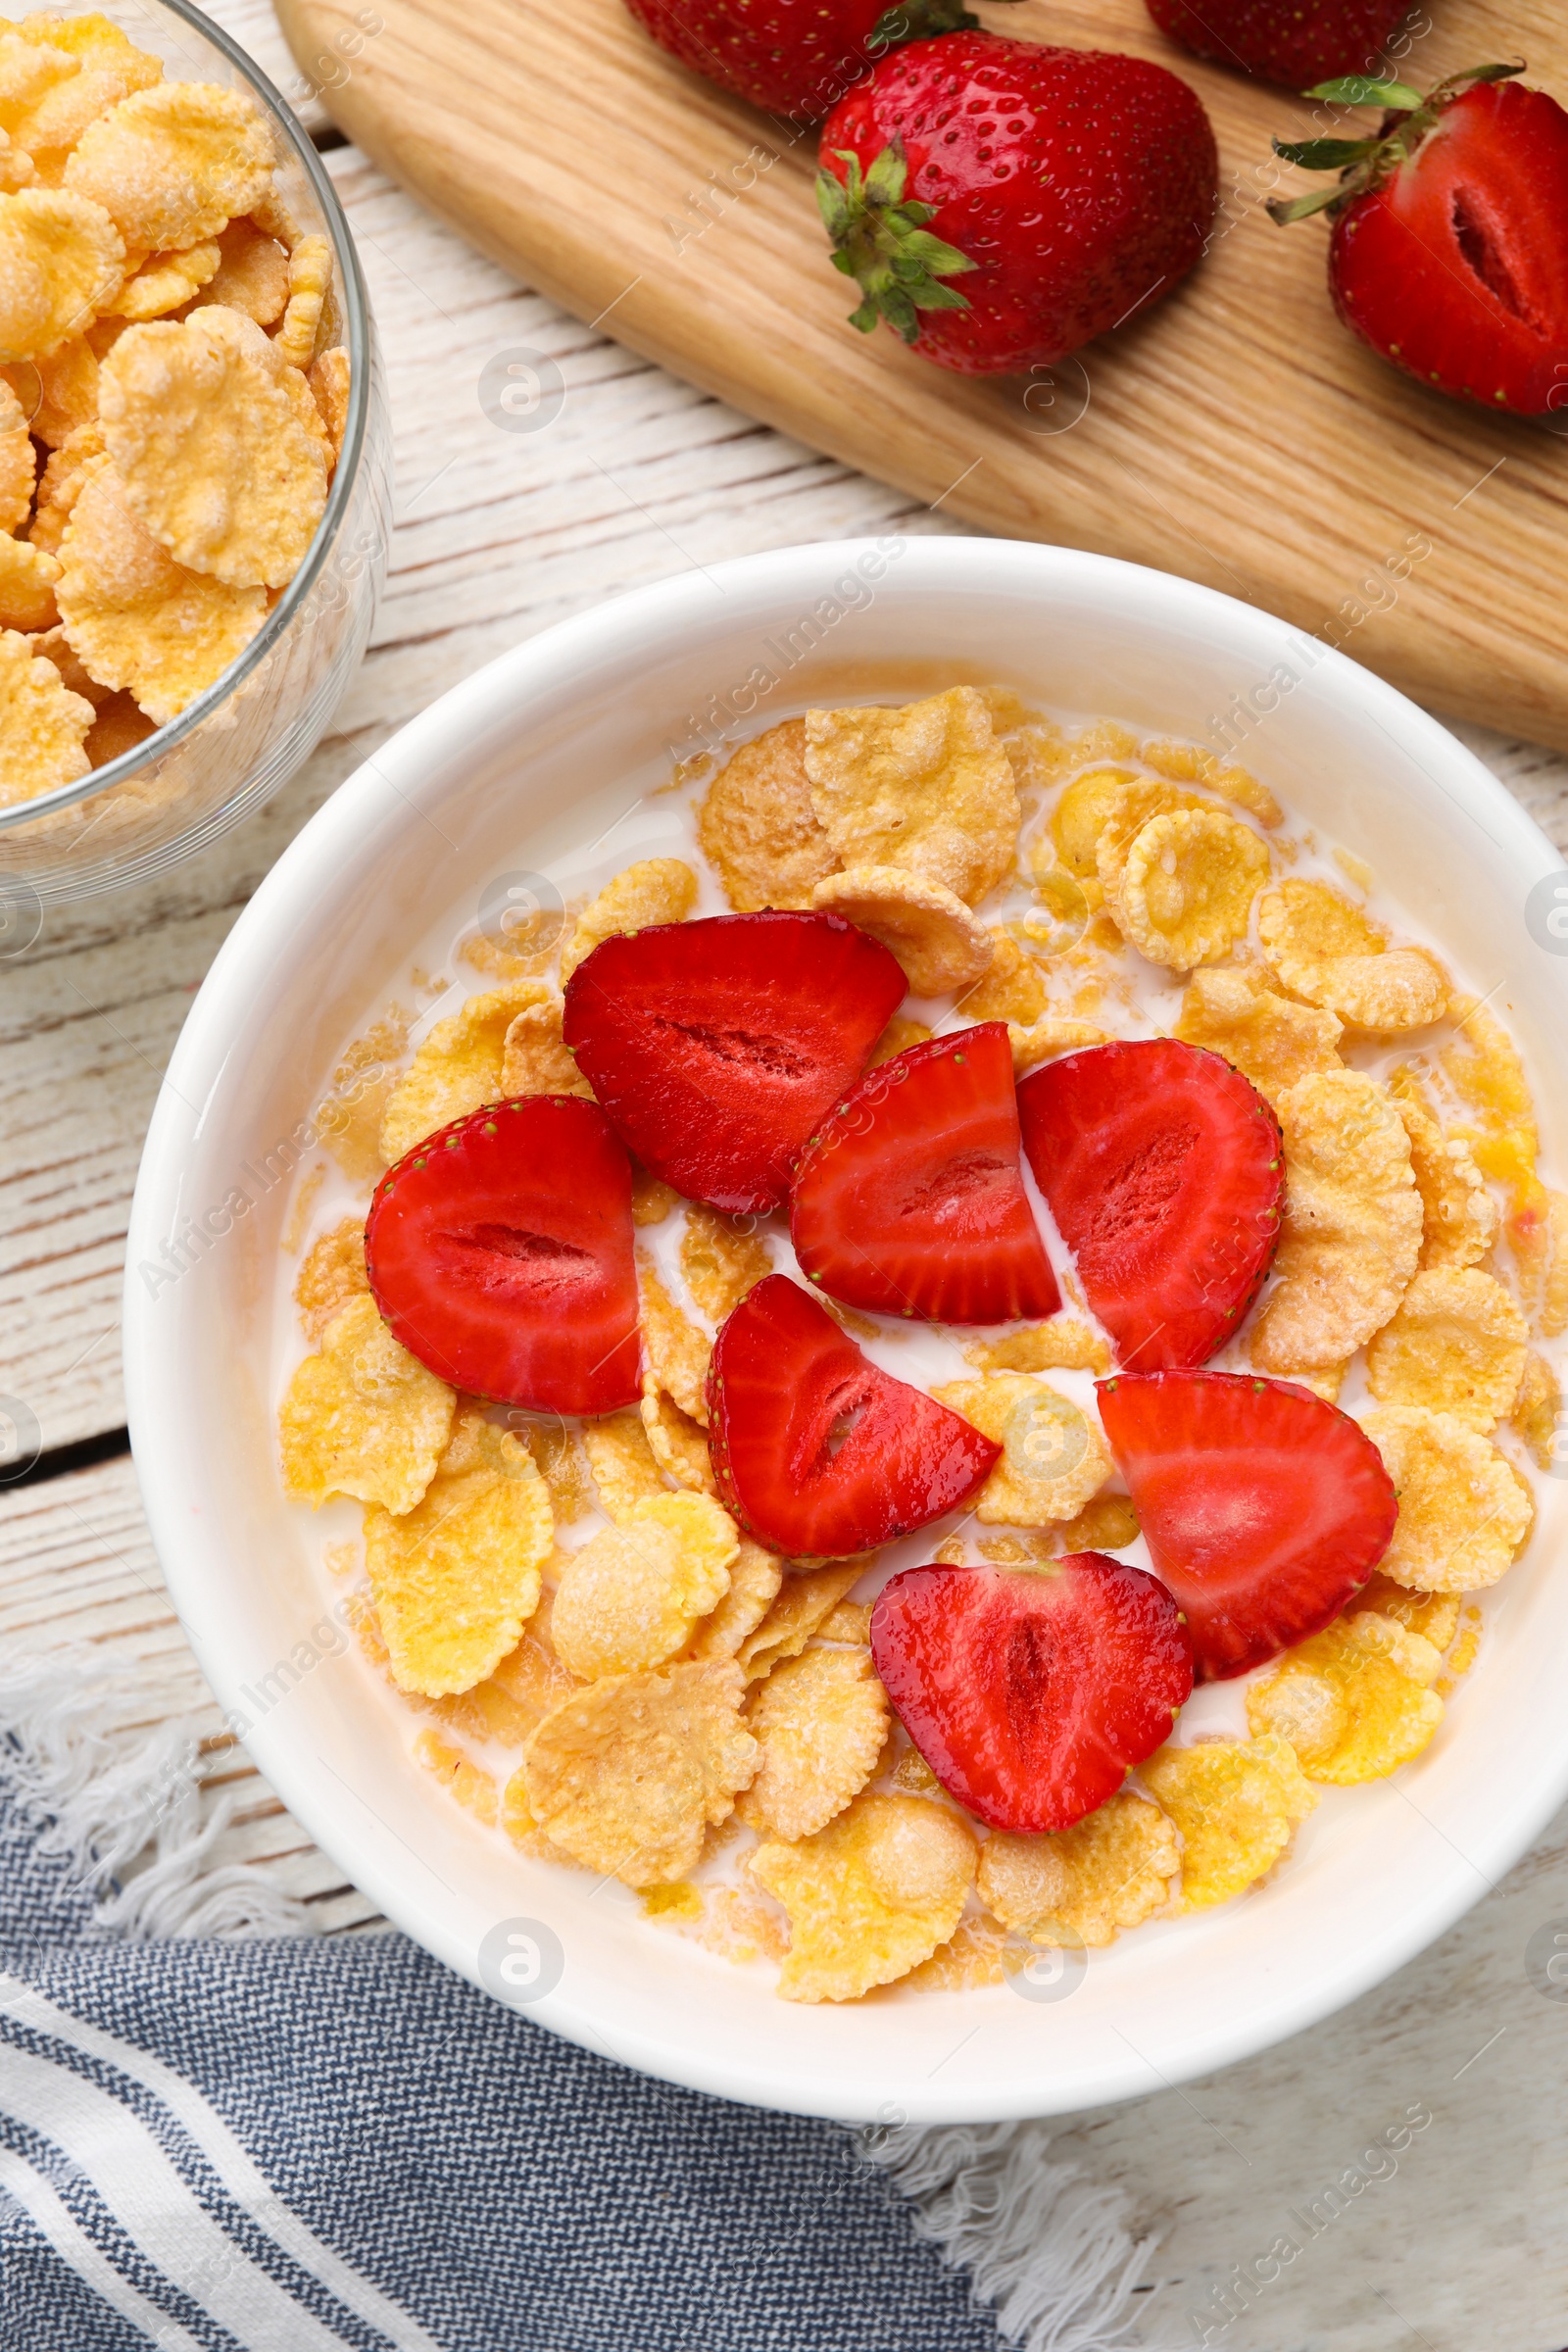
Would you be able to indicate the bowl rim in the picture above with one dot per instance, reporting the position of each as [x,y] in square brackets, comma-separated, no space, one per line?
[276,913]
[356,308]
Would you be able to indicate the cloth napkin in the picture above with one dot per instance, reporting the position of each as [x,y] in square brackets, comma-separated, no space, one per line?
[290,2143]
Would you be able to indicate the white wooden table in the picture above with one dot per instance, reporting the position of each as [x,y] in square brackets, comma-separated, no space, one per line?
[500,534]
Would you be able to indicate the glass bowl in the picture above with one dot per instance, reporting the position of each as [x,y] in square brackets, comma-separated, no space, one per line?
[246,735]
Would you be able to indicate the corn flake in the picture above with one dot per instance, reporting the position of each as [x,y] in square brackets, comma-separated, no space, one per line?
[755,1578]
[60,258]
[1061,1345]
[1434,1616]
[362,1417]
[1186,889]
[677,1353]
[1465,1510]
[1053,1457]
[1327,950]
[138,619]
[1078,1886]
[632,1595]
[1236,1804]
[1083,811]
[348,1119]
[652,1198]
[52,644]
[1456,1345]
[820,1721]
[330,381]
[804,1603]
[1135,803]
[1190,763]
[57,395]
[720,1259]
[1355,1701]
[851,1621]
[455,1579]
[106,67]
[925,788]
[1107,1523]
[535,1059]
[42,727]
[1036,747]
[868,1897]
[1353,1222]
[1048,1038]
[333,1273]
[1269,1039]
[457,1069]
[210,453]
[896,1038]
[251,274]
[1459,1215]
[676,1441]
[1538,1411]
[656,889]
[165,281]
[474,1789]
[1484,1068]
[69,470]
[1538,1235]
[310,276]
[622,1463]
[938,943]
[18,465]
[758,827]
[511,1703]
[626,1775]
[28,581]
[559,1458]
[1011,988]
[172,165]
[977,1954]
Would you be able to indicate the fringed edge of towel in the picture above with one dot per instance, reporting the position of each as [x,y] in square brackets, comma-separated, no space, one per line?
[125,1806]
[1053,2254]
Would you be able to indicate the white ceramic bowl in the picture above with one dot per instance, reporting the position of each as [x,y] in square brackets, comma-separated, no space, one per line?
[532,755]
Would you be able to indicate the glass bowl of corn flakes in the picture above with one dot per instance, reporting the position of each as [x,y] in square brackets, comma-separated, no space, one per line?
[778,1896]
[194,446]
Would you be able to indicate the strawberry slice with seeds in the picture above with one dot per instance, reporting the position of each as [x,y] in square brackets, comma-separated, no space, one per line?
[717,1047]
[1032,1693]
[1265,1509]
[499,1252]
[1166,1173]
[817,1452]
[908,1199]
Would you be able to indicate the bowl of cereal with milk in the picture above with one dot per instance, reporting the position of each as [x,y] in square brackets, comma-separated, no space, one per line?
[844,1330]
[193,447]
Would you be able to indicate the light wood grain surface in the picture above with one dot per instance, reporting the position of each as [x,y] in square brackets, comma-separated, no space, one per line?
[637,478]
[564,143]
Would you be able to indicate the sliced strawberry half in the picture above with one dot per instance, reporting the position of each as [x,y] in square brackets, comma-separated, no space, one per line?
[908,1198]
[1265,1509]
[499,1252]
[1165,1174]
[717,1047]
[1032,1693]
[817,1452]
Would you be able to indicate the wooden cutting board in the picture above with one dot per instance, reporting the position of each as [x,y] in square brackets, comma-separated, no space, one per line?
[1236,434]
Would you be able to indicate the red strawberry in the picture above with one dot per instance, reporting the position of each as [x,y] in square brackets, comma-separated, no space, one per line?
[792,57]
[1165,1174]
[1449,254]
[1077,186]
[1265,1509]
[817,1452]
[1293,42]
[909,1200]
[500,1254]
[1032,1693]
[717,1047]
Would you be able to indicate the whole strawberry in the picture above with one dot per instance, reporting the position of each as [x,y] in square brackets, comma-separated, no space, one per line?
[1293,42]
[1449,253]
[791,57]
[1069,186]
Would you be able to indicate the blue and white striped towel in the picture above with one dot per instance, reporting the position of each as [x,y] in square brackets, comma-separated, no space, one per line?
[299,2144]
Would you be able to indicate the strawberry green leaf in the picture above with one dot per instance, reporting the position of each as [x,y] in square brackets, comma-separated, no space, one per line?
[1323,155]
[882,242]
[1301,208]
[1361,89]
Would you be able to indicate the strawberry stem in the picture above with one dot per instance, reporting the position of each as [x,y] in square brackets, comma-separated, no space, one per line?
[919,21]
[882,242]
[1364,164]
